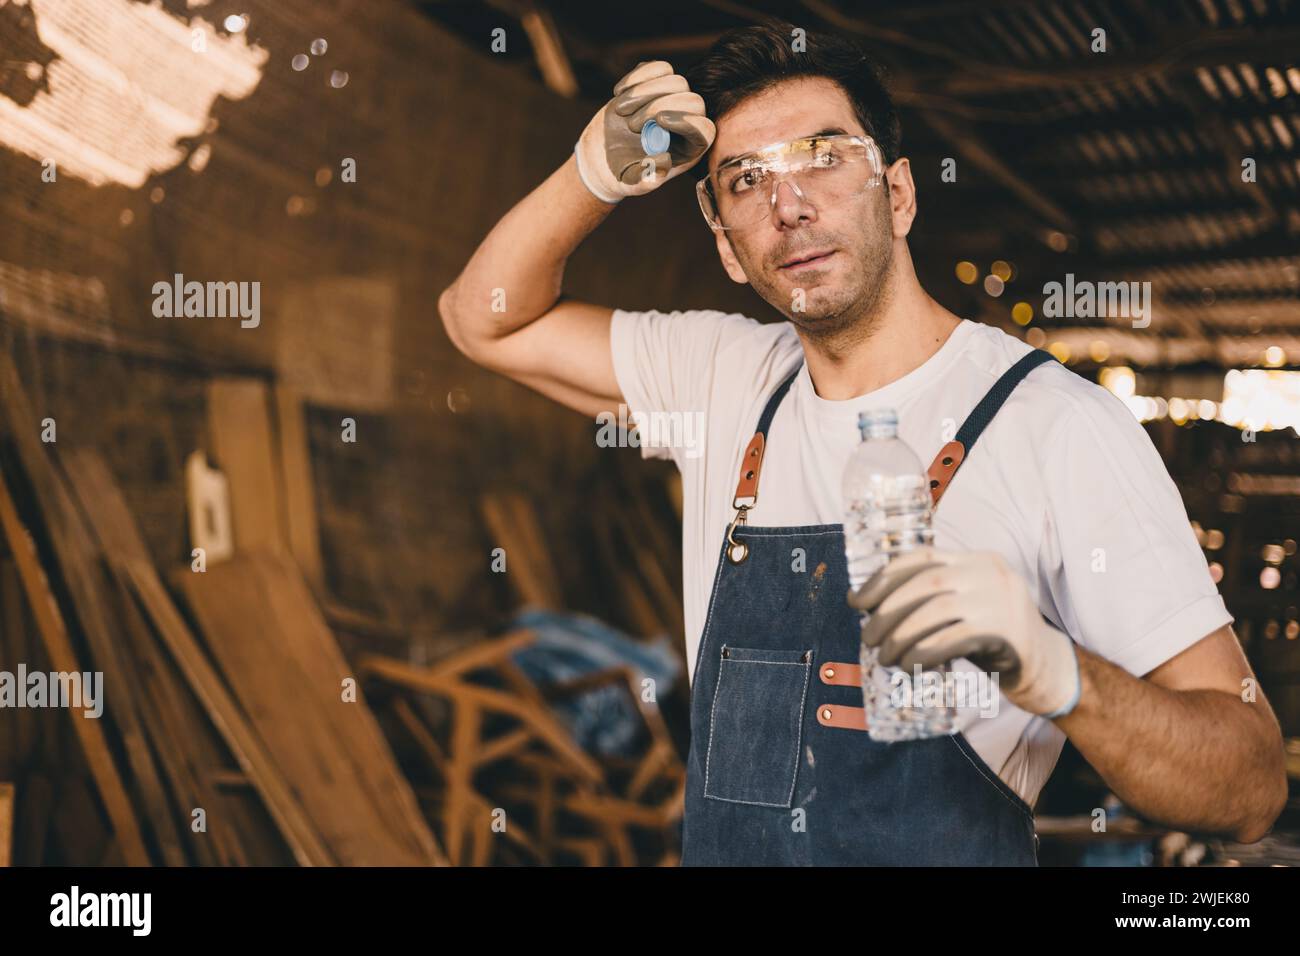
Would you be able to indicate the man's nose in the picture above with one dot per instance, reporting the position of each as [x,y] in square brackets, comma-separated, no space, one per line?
[790,207]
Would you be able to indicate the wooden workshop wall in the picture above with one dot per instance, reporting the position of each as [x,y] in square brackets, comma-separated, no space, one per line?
[445,139]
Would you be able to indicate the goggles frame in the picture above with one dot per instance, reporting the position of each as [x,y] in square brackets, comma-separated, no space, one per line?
[705,187]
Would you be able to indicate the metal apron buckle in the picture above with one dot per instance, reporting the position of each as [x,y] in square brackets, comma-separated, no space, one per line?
[737,551]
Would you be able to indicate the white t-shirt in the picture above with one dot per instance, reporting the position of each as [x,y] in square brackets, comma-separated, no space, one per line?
[1063,483]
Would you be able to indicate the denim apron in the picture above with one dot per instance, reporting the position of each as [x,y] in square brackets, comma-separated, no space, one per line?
[781,771]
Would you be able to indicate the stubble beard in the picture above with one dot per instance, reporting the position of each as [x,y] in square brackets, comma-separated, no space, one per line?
[839,319]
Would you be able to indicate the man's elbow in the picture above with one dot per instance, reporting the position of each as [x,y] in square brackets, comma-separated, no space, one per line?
[446,312]
[451,322]
[1274,803]
[1259,827]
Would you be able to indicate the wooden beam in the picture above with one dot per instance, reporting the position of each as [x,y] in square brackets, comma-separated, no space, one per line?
[304,841]
[514,526]
[552,61]
[1275,244]
[273,646]
[79,562]
[961,136]
[299,488]
[175,738]
[1182,53]
[59,648]
[243,444]
[6,824]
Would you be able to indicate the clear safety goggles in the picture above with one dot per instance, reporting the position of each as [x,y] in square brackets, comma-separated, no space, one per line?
[822,171]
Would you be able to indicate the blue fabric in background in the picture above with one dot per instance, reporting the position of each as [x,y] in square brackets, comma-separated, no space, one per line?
[1117,854]
[1126,853]
[602,720]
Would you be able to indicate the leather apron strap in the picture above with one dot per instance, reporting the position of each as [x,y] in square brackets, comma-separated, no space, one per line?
[940,472]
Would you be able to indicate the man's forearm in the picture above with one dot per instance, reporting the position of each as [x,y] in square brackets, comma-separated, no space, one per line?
[1193,759]
[524,255]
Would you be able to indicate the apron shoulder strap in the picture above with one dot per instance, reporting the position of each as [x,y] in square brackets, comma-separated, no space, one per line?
[951,455]
[945,464]
[752,463]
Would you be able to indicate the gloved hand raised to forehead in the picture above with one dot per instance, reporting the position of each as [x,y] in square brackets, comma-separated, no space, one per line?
[611,160]
[929,607]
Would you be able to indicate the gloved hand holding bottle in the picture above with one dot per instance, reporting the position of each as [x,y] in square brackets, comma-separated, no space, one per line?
[930,606]
[612,162]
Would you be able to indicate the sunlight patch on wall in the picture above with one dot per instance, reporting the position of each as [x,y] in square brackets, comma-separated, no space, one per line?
[129,81]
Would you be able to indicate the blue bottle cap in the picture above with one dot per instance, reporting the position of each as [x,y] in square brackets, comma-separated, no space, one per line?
[878,416]
[654,138]
[878,423]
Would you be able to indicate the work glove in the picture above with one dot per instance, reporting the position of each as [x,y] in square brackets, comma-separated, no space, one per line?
[611,161]
[929,607]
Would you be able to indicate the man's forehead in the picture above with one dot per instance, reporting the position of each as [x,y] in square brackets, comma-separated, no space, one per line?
[813,106]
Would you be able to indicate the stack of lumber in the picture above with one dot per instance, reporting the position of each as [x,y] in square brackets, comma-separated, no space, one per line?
[234,745]
[271,643]
[235,730]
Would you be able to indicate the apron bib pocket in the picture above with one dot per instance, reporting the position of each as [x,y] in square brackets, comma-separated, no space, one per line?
[756,725]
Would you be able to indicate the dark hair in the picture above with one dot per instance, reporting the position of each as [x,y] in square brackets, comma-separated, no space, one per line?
[748,60]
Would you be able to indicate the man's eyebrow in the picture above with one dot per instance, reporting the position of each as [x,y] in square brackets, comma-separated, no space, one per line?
[828,131]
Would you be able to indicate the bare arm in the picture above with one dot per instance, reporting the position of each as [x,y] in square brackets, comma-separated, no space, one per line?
[1180,745]
[505,310]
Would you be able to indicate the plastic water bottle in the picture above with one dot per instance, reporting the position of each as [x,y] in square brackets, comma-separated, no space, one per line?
[654,138]
[887,509]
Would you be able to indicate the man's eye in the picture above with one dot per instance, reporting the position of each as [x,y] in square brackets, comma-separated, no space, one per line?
[747,180]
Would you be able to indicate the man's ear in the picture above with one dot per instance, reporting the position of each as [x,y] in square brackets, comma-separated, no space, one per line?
[902,196]
[728,257]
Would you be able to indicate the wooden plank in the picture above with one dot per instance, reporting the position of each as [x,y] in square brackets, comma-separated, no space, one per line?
[6,824]
[351,726]
[513,526]
[299,489]
[32,818]
[243,444]
[186,741]
[273,646]
[304,840]
[79,563]
[175,738]
[643,531]
[89,732]
[529,531]
[76,827]
[20,724]
[641,616]
[128,558]
[458,802]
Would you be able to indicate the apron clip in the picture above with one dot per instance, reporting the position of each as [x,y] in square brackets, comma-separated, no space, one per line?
[737,551]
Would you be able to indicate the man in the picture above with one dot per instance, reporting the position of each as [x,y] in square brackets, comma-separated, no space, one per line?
[1063,562]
